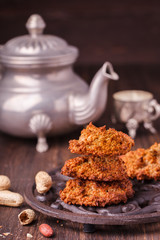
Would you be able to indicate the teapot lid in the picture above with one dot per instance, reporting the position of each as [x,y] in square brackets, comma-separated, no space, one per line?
[37,48]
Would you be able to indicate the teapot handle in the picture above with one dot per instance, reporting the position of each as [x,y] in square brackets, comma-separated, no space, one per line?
[154,109]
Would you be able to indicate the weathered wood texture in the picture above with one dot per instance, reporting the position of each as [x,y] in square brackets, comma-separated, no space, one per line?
[20,161]
[122,32]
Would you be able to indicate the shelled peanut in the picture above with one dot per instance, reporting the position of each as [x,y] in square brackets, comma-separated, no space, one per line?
[46,230]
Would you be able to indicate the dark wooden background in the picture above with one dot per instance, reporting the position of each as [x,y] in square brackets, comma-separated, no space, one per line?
[127,33]
[123,32]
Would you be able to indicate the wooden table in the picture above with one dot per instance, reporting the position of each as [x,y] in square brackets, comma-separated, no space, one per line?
[20,162]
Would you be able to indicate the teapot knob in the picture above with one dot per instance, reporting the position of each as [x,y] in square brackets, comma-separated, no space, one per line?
[35,25]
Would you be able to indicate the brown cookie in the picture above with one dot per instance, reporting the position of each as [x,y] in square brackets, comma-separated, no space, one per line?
[101,142]
[92,193]
[95,168]
[143,163]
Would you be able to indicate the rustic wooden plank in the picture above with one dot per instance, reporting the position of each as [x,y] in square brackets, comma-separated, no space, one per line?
[122,32]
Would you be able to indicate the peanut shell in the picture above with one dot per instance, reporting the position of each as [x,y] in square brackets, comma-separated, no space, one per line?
[5,182]
[12,199]
[43,182]
[26,216]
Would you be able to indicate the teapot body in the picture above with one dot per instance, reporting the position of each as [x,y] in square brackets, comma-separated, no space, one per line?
[38,93]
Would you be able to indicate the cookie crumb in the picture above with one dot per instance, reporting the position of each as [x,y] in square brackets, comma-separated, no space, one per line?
[29,236]
[6,234]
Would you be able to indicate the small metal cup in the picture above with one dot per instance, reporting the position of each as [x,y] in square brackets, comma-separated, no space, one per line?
[132,107]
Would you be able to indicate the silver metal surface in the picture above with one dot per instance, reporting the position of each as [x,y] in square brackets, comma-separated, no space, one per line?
[89,106]
[41,124]
[37,49]
[133,107]
[39,92]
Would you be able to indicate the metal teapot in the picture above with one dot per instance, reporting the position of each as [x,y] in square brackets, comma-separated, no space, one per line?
[40,94]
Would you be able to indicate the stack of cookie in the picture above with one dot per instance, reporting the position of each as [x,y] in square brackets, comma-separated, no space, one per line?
[99,175]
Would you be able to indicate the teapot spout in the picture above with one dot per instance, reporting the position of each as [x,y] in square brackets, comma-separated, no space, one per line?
[89,107]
